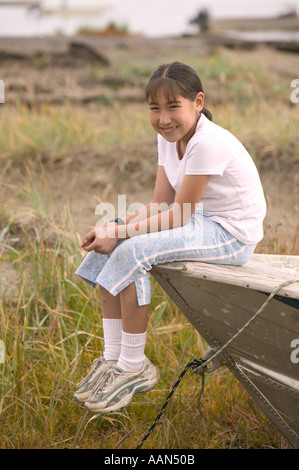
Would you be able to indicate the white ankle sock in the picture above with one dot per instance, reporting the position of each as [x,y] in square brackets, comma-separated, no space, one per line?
[112,338]
[132,356]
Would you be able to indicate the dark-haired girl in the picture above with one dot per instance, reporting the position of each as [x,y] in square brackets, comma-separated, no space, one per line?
[208,205]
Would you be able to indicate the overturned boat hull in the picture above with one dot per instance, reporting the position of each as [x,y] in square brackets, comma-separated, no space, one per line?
[219,300]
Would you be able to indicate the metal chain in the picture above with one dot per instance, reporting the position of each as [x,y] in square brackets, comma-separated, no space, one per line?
[198,365]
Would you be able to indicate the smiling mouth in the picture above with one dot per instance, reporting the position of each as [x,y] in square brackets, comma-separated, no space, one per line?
[168,130]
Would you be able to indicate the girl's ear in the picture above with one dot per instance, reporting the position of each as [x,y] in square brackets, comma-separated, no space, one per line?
[199,101]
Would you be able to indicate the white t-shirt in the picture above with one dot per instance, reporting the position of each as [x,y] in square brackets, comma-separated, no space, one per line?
[234,195]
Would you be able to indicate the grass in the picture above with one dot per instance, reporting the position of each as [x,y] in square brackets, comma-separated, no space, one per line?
[51,321]
[53,132]
[52,331]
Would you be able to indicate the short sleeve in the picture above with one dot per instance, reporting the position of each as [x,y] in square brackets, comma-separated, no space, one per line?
[208,156]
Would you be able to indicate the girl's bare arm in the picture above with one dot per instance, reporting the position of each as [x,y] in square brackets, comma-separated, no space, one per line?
[184,205]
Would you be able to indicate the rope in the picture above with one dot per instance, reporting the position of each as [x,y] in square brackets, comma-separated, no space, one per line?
[198,365]
[273,293]
[194,365]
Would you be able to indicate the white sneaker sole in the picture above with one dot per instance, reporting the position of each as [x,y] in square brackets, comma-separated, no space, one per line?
[125,401]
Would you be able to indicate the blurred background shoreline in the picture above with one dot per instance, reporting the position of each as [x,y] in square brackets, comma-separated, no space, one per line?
[150,18]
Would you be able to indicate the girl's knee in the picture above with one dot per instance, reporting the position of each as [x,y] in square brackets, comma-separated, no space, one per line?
[245,255]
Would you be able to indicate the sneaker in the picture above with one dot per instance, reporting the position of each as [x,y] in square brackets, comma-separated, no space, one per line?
[87,386]
[121,386]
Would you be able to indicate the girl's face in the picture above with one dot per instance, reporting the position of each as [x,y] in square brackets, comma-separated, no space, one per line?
[175,120]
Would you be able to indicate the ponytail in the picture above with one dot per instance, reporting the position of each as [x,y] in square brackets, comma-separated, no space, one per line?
[207,113]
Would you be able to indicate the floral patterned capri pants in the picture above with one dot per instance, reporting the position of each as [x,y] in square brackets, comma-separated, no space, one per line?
[201,239]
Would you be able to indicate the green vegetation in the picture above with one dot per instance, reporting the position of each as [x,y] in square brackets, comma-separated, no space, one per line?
[112,29]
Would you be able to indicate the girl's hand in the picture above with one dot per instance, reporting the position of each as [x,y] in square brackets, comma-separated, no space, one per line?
[88,239]
[102,240]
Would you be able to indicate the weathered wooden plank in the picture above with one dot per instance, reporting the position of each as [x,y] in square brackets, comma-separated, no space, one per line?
[257,274]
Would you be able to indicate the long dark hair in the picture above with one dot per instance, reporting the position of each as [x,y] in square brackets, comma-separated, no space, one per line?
[176,79]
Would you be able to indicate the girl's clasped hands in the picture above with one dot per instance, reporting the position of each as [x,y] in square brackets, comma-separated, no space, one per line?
[101,239]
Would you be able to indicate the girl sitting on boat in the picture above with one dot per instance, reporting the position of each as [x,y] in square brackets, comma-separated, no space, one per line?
[208,205]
